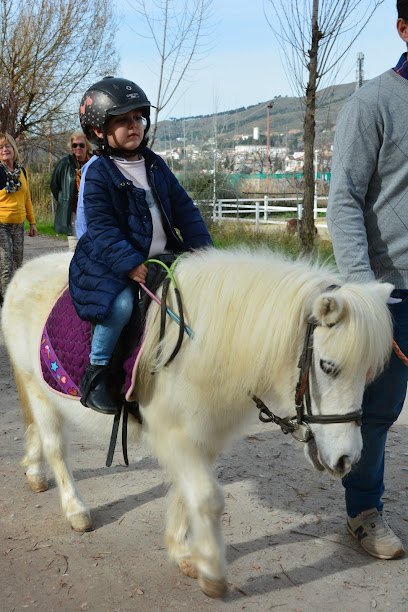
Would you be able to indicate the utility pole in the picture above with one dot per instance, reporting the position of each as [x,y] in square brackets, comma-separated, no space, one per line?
[215,160]
[359,70]
[184,149]
[268,137]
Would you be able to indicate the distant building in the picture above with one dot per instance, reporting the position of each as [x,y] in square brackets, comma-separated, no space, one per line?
[273,151]
[294,163]
[253,157]
[169,154]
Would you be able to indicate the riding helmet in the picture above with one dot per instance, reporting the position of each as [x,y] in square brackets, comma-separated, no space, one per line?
[108,97]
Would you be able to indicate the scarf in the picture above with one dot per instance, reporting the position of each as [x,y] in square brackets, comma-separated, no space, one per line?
[12,177]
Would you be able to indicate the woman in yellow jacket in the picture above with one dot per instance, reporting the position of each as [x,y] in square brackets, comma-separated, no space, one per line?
[15,207]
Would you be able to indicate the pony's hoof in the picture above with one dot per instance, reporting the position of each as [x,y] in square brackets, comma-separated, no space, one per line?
[37,484]
[216,589]
[188,569]
[81,521]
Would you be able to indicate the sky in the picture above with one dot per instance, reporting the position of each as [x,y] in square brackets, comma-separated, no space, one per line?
[243,65]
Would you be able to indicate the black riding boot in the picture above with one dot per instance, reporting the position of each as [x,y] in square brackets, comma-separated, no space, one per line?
[97,390]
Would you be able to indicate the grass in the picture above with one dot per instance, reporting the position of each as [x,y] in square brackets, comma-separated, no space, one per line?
[45,227]
[230,234]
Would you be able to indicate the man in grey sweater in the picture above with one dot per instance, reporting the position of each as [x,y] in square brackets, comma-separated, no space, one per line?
[368,221]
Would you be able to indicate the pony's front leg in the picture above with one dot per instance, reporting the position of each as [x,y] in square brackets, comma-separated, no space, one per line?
[191,472]
[49,431]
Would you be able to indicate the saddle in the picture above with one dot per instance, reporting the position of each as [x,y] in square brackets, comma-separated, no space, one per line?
[65,347]
[66,344]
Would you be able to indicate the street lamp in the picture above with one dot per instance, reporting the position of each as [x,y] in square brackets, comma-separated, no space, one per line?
[268,136]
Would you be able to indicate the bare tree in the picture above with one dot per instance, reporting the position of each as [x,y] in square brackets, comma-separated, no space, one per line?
[50,50]
[179,30]
[315,36]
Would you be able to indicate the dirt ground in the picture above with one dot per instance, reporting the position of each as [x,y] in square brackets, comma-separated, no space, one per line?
[287,546]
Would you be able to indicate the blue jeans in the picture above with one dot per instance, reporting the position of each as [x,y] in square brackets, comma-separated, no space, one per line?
[107,334]
[382,403]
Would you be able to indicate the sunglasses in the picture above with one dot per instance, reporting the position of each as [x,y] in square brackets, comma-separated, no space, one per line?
[78,144]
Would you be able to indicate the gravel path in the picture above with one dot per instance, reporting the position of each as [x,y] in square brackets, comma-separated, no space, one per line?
[283,524]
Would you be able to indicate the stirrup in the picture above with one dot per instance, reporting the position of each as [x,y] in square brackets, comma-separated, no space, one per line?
[95,383]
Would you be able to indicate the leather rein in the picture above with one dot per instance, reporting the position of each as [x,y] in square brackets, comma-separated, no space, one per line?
[298,425]
[126,407]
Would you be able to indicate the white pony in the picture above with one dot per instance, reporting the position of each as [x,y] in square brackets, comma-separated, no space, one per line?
[249,313]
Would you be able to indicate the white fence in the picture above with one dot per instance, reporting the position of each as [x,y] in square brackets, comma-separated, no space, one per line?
[260,211]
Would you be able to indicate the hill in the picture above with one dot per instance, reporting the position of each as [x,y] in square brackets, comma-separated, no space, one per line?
[285,118]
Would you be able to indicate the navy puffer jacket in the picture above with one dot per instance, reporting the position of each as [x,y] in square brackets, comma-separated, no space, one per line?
[120,231]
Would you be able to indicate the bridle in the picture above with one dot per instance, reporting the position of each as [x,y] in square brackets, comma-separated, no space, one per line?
[298,425]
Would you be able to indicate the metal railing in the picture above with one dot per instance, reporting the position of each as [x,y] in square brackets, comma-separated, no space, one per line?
[260,210]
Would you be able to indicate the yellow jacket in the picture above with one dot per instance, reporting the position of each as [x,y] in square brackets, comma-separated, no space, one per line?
[16,207]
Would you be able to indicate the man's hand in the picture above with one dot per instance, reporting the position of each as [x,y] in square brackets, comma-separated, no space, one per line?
[33,230]
[138,274]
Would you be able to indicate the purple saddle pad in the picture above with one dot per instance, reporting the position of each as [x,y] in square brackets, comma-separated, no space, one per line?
[65,348]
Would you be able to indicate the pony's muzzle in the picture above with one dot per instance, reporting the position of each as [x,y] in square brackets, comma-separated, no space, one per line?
[339,467]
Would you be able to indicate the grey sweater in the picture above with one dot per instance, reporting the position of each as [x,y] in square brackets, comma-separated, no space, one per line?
[368,202]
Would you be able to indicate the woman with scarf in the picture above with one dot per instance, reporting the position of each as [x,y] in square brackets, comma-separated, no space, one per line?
[15,208]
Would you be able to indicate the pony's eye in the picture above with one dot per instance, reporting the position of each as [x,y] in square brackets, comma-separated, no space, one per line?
[329,368]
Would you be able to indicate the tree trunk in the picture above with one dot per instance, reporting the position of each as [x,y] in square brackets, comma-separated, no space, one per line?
[307,234]
[153,128]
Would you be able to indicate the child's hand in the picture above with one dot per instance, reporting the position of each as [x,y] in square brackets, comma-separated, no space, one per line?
[138,274]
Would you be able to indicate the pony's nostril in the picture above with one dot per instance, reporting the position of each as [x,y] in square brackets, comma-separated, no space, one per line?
[343,464]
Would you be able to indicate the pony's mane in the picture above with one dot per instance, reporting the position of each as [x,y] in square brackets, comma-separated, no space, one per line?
[248,311]
[244,306]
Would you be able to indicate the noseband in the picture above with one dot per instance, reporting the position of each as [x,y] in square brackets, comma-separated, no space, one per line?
[298,425]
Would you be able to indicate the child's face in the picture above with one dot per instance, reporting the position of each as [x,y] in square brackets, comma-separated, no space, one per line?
[125,131]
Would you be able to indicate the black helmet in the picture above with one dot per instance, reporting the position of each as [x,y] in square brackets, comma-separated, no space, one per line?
[110,96]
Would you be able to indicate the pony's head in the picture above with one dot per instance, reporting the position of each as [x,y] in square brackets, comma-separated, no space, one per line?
[352,343]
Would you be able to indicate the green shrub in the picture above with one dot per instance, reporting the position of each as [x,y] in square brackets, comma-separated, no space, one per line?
[39,183]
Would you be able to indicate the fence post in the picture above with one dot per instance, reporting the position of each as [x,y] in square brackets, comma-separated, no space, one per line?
[257,216]
[315,204]
[219,203]
[266,200]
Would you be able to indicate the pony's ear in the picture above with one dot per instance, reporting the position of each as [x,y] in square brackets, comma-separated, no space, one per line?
[328,310]
[384,290]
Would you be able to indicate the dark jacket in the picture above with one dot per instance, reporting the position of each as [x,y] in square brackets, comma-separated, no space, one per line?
[63,190]
[120,231]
